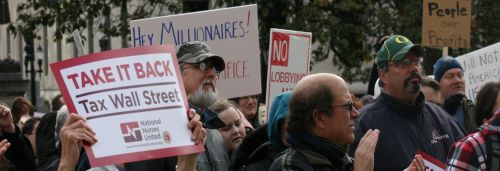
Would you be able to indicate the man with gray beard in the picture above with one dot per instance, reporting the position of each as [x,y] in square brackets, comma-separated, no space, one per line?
[202,98]
[199,67]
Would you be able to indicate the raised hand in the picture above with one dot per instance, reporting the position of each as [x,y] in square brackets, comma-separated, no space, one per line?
[73,134]
[364,155]
[6,120]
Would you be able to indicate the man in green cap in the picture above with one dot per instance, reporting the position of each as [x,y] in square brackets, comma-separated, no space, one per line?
[407,123]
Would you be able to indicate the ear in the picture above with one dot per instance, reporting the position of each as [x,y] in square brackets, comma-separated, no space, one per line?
[382,75]
[318,119]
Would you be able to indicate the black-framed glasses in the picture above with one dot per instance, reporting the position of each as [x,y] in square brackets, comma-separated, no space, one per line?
[348,106]
[203,66]
[406,62]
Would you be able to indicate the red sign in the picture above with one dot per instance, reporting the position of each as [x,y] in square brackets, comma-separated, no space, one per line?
[279,49]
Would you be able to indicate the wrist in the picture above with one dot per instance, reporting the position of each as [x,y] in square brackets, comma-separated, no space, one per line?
[63,166]
[9,128]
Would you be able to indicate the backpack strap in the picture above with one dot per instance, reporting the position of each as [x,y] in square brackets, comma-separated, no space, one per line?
[493,151]
[469,115]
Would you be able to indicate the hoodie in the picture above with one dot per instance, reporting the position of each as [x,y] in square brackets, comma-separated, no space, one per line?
[276,116]
[256,152]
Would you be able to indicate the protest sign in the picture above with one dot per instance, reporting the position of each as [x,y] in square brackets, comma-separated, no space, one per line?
[431,163]
[133,99]
[231,33]
[480,67]
[446,23]
[289,57]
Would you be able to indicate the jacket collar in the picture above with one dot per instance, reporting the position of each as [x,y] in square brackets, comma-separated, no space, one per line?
[402,108]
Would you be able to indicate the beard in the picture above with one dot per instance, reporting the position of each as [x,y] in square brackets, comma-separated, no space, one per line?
[202,98]
[411,87]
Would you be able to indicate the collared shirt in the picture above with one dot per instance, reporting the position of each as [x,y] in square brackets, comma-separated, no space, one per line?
[470,153]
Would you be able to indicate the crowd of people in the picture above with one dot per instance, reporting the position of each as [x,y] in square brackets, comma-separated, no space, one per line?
[316,126]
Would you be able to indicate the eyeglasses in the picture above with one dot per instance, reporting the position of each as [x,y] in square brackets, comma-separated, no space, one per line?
[348,106]
[203,66]
[406,62]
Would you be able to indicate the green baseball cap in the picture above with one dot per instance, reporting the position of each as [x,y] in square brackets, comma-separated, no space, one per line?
[395,49]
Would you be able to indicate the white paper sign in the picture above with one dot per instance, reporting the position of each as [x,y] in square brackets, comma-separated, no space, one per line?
[231,33]
[133,99]
[289,57]
[480,67]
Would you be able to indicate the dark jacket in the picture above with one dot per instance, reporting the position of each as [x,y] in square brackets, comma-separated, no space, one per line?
[258,150]
[405,129]
[246,153]
[463,110]
[46,141]
[20,152]
[310,152]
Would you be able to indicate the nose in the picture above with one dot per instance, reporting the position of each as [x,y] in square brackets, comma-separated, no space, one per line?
[234,130]
[210,73]
[354,113]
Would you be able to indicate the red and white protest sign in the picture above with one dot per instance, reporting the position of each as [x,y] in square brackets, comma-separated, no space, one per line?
[133,99]
[431,163]
[289,57]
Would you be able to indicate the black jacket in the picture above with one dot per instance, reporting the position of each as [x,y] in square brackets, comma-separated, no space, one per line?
[20,152]
[405,129]
[310,152]
[254,157]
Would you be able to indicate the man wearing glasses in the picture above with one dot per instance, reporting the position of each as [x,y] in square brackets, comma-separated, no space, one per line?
[320,126]
[407,123]
[199,67]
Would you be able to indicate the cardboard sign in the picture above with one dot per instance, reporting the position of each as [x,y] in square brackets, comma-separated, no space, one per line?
[231,33]
[289,57]
[133,99]
[446,23]
[480,67]
[431,163]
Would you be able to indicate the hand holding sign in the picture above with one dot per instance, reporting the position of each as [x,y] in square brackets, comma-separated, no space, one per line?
[134,100]
[417,164]
[199,135]
[74,132]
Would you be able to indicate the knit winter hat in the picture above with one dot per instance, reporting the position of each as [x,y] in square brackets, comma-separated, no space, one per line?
[444,64]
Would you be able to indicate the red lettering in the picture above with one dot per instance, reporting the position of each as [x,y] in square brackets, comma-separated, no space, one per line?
[149,70]
[139,71]
[158,65]
[125,68]
[73,78]
[86,80]
[96,76]
[108,74]
[166,68]
[119,72]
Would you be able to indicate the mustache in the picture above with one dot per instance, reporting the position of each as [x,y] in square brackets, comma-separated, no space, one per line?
[415,75]
[208,81]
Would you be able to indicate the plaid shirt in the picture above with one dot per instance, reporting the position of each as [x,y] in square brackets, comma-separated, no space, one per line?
[470,152]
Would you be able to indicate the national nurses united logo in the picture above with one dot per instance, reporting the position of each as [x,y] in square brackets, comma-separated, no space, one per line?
[131,132]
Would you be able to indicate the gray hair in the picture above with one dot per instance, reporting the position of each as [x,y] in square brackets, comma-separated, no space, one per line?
[62,116]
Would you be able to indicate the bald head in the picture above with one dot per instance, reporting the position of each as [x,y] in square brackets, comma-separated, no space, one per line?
[314,81]
[313,92]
